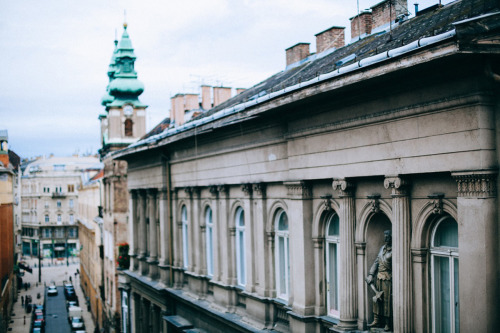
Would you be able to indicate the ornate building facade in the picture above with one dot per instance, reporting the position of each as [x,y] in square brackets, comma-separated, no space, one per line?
[267,212]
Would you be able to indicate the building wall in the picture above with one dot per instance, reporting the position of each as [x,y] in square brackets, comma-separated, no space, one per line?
[379,156]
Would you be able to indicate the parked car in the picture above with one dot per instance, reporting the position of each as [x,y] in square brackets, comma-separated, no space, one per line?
[77,323]
[38,317]
[71,303]
[52,291]
[39,307]
[70,295]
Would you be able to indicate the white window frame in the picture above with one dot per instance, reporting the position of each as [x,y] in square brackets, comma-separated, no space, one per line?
[71,203]
[209,223]
[240,247]
[59,218]
[282,260]
[47,218]
[332,240]
[452,254]
[71,219]
[185,237]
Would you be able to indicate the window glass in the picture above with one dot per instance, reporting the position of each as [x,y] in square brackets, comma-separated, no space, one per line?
[332,262]
[209,230]
[240,247]
[446,234]
[282,255]
[185,242]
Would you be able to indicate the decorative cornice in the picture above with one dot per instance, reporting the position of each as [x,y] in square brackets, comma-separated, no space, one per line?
[247,189]
[151,192]
[476,184]
[298,190]
[343,186]
[398,185]
[214,190]
[223,189]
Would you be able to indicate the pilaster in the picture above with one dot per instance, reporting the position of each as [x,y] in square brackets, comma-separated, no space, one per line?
[348,290]
[132,229]
[301,248]
[262,287]
[250,231]
[401,257]
[478,232]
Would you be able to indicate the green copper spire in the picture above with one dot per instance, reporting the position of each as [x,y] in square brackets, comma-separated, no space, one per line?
[125,86]
[107,98]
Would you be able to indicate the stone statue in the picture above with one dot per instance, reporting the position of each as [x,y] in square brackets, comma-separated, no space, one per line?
[381,272]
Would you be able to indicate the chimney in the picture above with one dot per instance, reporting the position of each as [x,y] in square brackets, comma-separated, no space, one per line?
[239,90]
[4,148]
[416,8]
[206,97]
[191,102]
[177,113]
[221,94]
[361,24]
[296,53]
[386,12]
[333,37]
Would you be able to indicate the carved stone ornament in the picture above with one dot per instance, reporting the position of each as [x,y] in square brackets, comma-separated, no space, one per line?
[374,203]
[223,189]
[298,190]
[259,189]
[437,203]
[214,190]
[247,189]
[189,191]
[327,202]
[397,184]
[344,187]
[476,185]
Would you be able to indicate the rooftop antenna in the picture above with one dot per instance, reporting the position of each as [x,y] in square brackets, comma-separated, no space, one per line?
[124,18]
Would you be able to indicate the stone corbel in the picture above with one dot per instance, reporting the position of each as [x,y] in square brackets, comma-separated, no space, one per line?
[327,201]
[259,189]
[374,202]
[343,186]
[247,189]
[397,184]
[298,190]
[189,191]
[214,190]
[223,189]
[437,202]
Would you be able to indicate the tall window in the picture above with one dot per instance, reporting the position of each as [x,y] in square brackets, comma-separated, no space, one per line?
[128,127]
[210,247]
[71,203]
[59,219]
[47,218]
[58,203]
[185,242]
[71,188]
[444,276]
[282,255]
[332,265]
[71,219]
[240,247]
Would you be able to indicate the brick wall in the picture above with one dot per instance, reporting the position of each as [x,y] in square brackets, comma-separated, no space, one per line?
[296,53]
[361,24]
[333,37]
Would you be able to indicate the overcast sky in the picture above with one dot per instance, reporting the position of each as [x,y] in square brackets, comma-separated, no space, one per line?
[55,54]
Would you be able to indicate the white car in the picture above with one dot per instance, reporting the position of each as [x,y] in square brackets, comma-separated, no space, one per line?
[77,323]
[52,290]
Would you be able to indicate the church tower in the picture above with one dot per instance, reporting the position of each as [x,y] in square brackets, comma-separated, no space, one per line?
[125,119]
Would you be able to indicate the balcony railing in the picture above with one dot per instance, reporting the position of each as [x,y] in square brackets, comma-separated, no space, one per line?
[58,195]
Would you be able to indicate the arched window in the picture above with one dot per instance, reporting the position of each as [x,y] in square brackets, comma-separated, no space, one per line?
[240,247]
[129,127]
[444,276]
[185,238]
[282,255]
[210,247]
[332,265]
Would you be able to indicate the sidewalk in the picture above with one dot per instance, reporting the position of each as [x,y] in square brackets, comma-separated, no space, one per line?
[56,272]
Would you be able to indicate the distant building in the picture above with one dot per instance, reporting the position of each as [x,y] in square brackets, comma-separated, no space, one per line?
[9,168]
[49,203]
[90,230]
[266,212]
[123,123]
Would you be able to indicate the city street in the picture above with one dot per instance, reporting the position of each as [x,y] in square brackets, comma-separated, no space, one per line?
[56,315]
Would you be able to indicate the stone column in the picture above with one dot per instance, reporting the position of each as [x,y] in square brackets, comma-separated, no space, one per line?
[132,225]
[348,290]
[141,211]
[222,229]
[260,221]
[215,233]
[362,287]
[401,257]
[478,233]
[164,235]
[153,233]
[301,248]
[249,238]
[420,278]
